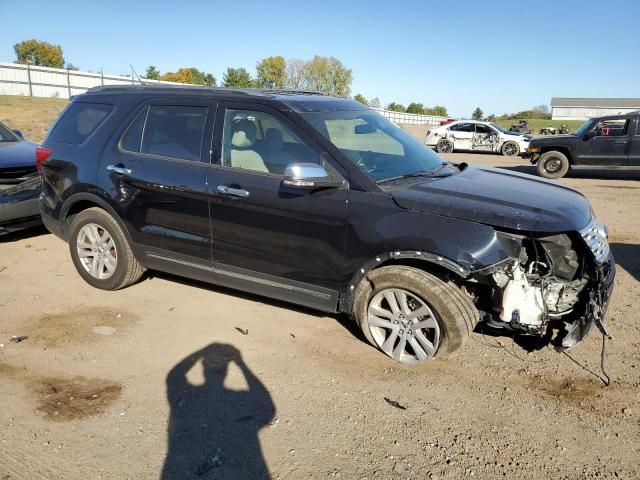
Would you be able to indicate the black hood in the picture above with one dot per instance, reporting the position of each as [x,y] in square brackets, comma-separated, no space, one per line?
[499,198]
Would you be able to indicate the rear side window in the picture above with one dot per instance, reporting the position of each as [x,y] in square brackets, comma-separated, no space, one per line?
[133,136]
[79,121]
[174,131]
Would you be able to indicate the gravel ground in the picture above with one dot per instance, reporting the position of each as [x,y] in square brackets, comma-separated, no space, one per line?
[177,379]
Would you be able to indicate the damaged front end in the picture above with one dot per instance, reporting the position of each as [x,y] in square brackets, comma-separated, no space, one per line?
[559,282]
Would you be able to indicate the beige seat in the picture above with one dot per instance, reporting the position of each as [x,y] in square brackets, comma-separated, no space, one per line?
[242,153]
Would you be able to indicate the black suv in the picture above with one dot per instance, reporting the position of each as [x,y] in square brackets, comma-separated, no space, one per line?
[608,143]
[322,202]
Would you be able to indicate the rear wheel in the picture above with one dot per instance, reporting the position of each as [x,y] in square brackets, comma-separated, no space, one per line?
[411,315]
[444,146]
[100,251]
[510,149]
[553,165]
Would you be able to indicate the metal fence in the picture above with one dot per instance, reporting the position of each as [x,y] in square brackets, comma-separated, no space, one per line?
[410,118]
[32,81]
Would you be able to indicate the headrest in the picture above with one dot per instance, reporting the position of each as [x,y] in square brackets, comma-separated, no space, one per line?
[273,138]
[244,134]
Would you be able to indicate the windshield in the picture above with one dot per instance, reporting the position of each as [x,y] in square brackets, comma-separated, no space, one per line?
[499,128]
[585,127]
[380,148]
[6,135]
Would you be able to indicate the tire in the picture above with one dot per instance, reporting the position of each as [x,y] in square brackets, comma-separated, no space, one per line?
[552,165]
[510,149]
[107,261]
[451,309]
[444,146]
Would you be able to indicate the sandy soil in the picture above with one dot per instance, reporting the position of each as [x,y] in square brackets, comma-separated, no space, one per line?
[176,379]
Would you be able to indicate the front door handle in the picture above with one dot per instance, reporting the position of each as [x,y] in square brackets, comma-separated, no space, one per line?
[119,169]
[234,192]
[620,141]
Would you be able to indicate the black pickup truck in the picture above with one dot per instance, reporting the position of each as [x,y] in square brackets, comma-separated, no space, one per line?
[607,143]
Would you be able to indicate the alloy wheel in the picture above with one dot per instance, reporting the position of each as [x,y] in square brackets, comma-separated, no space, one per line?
[97,251]
[403,326]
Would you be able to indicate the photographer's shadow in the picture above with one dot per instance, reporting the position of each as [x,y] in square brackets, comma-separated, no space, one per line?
[213,430]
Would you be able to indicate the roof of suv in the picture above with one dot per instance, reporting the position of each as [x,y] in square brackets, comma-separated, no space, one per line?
[299,100]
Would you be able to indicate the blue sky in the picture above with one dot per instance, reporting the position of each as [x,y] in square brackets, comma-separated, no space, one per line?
[501,56]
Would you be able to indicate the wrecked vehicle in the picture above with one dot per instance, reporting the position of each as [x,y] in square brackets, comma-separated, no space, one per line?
[19,182]
[321,202]
[474,135]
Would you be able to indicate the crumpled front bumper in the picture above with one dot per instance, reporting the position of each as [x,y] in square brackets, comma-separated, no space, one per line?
[600,291]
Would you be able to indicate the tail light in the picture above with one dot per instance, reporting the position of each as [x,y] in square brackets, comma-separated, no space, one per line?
[42,155]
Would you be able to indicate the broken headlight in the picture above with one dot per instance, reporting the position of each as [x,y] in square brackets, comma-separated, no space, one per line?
[595,236]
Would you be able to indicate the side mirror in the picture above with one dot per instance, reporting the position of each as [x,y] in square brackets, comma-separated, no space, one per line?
[18,134]
[309,175]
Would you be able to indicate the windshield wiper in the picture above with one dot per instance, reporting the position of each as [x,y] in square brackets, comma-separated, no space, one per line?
[428,173]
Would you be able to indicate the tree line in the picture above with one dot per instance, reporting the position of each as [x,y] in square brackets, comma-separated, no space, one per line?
[537,112]
[319,74]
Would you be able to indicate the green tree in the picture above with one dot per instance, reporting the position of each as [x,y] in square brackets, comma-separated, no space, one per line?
[189,75]
[152,73]
[71,66]
[438,111]
[271,72]
[35,52]
[477,114]
[327,75]
[414,107]
[360,98]
[396,107]
[375,102]
[237,78]
[491,118]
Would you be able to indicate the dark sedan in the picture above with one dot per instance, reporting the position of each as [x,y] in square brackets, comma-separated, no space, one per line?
[19,182]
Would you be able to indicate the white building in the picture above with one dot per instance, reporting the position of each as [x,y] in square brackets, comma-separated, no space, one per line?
[584,108]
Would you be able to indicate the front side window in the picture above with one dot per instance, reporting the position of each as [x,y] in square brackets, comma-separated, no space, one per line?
[611,127]
[79,121]
[261,142]
[169,131]
[377,146]
[480,128]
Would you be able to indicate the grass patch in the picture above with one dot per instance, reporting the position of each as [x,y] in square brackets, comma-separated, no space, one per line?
[31,115]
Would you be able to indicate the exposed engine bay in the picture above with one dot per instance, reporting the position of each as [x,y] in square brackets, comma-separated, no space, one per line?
[557,281]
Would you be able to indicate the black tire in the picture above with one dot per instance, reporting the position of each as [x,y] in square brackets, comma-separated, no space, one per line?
[455,313]
[127,270]
[553,164]
[510,149]
[444,146]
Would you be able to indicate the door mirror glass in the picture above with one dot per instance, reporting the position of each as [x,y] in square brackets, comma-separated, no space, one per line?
[309,175]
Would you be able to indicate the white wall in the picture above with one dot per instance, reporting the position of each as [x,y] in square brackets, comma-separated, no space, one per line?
[584,113]
[33,81]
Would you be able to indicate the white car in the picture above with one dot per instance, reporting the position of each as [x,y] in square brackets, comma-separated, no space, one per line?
[473,135]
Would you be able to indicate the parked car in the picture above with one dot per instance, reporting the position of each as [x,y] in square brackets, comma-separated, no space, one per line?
[322,202]
[521,126]
[19,182]
[447,121]
[474,135]
[611,143]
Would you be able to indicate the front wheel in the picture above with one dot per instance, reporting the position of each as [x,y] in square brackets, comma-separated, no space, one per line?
[411,315]
[553,165]
[444,146]
[510,149]
[100,251]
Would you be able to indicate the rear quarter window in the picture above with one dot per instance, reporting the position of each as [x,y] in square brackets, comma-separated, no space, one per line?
[79,121]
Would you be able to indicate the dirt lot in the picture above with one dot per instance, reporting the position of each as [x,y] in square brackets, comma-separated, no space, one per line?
[175,379]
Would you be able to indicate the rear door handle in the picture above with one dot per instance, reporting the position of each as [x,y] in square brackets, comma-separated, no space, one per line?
[118,169]
[620,141]
[234,192]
